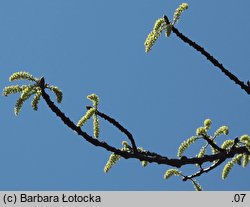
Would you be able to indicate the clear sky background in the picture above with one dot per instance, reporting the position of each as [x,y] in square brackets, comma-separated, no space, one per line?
[87,47]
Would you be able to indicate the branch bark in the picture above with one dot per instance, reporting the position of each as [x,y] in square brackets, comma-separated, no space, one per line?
[148,156]
[214,61]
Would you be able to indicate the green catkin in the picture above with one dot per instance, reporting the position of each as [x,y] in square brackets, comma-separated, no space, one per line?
[197,186]
[36,100]
[112,160]
[245,160]
[245,138]
[13,89]
[221,130]
[86,117]
[171,172]
[202,152]
[207,123]
[95,100]
[201,131]
[24,96]
[184,145]
[28,90]
[57,92]
[96,126]
[227,144]
[22,76]
[228,167]
[178,12]
[159,26]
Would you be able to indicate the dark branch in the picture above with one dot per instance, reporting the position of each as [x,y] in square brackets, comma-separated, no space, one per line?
[118,126]
[215,62]
[206,170]
[236,141]
[225,155]
[210,141]
[150,157]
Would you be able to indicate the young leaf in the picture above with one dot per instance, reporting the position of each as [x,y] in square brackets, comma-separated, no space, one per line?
[169,29]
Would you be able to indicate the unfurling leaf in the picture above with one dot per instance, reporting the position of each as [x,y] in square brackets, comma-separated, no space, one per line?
[169,29]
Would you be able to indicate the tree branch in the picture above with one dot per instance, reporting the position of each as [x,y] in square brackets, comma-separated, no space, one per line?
[210,141]
[118,126]
[150,157]
[206,170]
[214,61]
[227,155]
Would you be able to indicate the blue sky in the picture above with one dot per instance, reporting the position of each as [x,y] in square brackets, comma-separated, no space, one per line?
[87,47]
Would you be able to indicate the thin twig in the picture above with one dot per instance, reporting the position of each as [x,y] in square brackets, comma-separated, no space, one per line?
[225,155]
[210,141]
[118,126]
[206,170]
